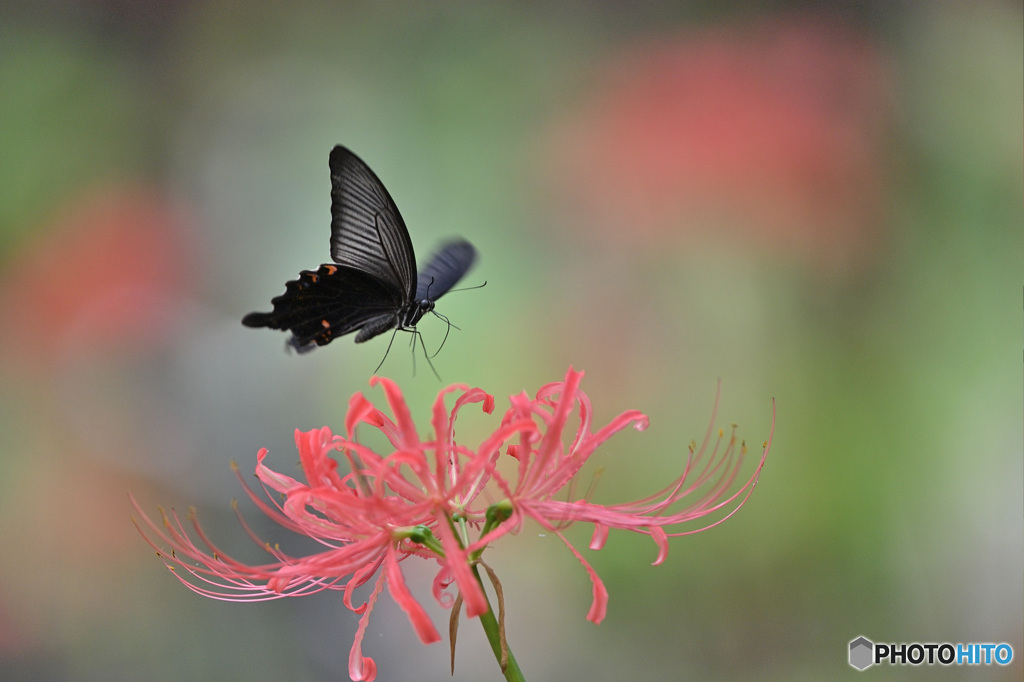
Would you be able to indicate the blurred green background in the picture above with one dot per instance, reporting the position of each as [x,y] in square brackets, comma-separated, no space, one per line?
[823,206]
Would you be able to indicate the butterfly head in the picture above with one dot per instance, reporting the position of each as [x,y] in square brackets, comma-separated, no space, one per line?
[413,312]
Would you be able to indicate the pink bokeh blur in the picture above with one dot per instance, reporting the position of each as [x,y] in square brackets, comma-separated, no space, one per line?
[773,133]
[105,273]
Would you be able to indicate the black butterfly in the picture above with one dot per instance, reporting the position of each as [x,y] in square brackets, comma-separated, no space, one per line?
[373,287]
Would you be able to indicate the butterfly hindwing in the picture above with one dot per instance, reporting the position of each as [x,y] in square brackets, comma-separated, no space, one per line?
[332,301]
[445,269]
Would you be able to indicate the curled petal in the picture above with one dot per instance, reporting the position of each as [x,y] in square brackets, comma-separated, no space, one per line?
[319,467]
[400,593]
[279,482]
[360,410]
[638,419]
[363,669]
[471,479]
[458,563]
[359,578]
[553,436]
[442,580]
[599,605]
[443,426]
[403,418]
[660,539]
[474,395]
[599,537]
[360,668]
[585,412]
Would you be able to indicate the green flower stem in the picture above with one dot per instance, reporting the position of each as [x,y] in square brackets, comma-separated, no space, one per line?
[495,515]
[490,623]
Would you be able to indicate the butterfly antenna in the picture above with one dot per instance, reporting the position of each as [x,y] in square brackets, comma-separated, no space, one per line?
[478,286]
[388,351]
[449,322]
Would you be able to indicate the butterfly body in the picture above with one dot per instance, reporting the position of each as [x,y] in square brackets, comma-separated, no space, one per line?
[372,286]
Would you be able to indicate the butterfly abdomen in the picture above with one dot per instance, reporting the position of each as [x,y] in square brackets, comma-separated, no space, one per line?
[377,326]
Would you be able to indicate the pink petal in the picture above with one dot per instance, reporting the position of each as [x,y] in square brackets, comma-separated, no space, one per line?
[551,442]
[442,425]
[589,444]
[457,562]
[584,427]
[474,395]
[269,477]
[364,669]
[360,577]
[400,593]
[359,410]
[442,581]
[660,539]
[319,467]
[403,418]
[486,455]
[599,605]
[521,407]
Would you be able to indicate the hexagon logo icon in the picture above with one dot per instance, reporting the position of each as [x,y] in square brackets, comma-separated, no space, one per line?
[861,653]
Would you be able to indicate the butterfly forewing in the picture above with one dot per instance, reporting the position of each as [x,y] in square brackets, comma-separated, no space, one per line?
[367,231]
[445,269]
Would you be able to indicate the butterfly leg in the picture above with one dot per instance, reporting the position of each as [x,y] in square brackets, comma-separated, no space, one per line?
[412,342]
[425,354]
[387,351]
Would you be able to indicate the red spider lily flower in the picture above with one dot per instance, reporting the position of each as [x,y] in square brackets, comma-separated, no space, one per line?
[423,498]
[547,467]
